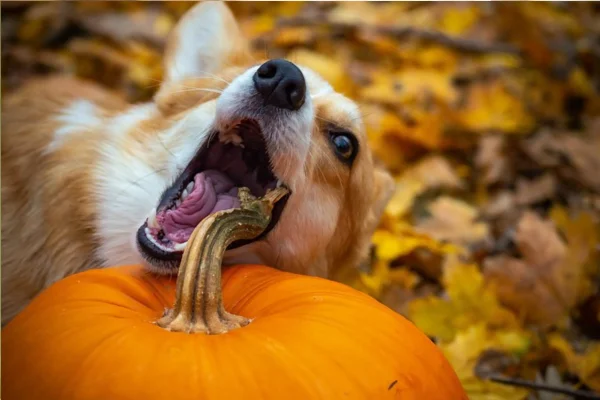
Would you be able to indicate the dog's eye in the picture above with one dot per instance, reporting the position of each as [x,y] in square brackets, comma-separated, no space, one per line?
[345,145]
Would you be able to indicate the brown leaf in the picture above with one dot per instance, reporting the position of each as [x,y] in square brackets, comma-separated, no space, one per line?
[575,158]
[584,159]
[442,88]
[499,205]
[454,221]
[536,190]
[435,172]
[491,160]
[149,23]
[540,286]
[518,287]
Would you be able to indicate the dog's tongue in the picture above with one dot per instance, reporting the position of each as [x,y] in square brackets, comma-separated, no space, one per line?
[213,191]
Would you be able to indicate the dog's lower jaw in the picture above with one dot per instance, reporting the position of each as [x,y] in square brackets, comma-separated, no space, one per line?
[252,253]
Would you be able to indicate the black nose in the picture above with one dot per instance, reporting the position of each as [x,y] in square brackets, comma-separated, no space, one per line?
[281,84]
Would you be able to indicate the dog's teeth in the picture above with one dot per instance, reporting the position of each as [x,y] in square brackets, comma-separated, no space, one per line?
[179,246]
[177,203]
[190,187]
[232,138]
[152,222]
[236,139]
[184,195]
[279,183]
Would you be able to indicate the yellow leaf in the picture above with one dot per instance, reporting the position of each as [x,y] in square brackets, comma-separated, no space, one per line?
[286,8]
[329,68]
[458,20]
[470,301]
[493,107]
[434,316]
[259,25]
[409,87]
[463,352]
[435,59]
[402,200]
[375,281]
[293,36]
[163,24]
[589,367]
[355,13]
[382,275]
[585,365]
[403,277]
[390,247]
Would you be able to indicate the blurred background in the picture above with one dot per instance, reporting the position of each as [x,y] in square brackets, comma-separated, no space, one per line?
[488,115]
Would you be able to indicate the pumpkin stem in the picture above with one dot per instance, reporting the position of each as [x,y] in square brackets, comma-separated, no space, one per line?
[199,303]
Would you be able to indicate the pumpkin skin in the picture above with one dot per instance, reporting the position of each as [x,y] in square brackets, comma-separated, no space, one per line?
[92,336]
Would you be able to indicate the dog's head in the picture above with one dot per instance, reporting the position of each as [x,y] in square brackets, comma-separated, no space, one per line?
[238,122]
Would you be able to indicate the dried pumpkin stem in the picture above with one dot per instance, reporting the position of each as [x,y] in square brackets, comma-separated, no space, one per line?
[199,303]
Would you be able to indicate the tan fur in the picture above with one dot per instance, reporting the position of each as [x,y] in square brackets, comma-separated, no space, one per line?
[47,203]
[54,203]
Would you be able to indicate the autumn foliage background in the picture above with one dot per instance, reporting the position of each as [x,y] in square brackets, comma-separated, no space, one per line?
[488,115]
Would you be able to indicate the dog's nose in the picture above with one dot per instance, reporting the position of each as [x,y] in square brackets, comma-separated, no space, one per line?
[281,84]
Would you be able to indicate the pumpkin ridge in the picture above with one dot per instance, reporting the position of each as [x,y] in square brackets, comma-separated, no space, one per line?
[311,338]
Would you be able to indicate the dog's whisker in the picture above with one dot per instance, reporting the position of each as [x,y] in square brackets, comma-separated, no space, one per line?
[199,90]
[205,74]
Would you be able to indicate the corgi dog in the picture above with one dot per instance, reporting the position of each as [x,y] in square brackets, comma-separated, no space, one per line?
[90,181]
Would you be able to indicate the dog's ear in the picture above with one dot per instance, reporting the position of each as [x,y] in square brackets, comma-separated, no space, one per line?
[205,41]
[383,189]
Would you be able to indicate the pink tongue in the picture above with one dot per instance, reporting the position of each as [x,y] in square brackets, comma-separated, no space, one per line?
[213,191]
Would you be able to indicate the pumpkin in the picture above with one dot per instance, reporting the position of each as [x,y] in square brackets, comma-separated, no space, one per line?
[104,334]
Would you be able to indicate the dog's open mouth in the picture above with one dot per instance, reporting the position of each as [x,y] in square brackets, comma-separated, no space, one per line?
[229,160]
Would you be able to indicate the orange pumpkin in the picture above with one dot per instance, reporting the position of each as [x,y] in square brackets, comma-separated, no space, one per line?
[94,336]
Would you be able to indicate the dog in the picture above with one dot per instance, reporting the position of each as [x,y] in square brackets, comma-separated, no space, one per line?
[90,181]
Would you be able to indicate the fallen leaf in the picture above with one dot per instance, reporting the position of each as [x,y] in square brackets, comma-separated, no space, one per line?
[328,67]
[519,287]
[454,221]
[469,301]
[582,233]
[533,191]
[491,106]
[402,200]
[484,112]
[434,172]
[490,159]
[149,24]
[382,276]
[575,158]
[541,286]
[463,353]
[501,204]
[585,364]
[431,173]
[458,20]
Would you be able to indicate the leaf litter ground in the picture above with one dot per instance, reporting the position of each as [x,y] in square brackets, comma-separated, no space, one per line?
[488,115]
